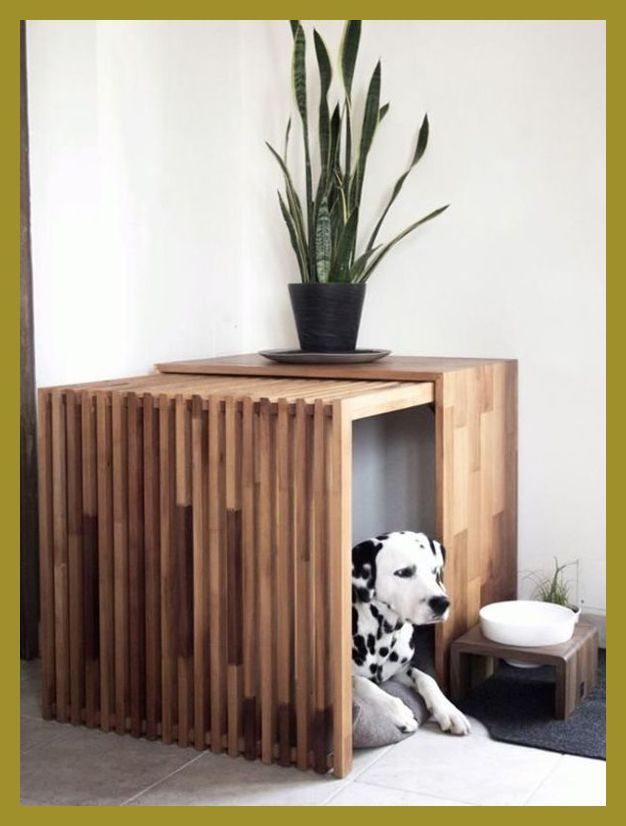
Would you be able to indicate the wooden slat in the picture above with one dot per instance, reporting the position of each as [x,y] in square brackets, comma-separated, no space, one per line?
[248,533]
[152,534]
[216,602]
[301,571]
[265,617]
[340,590]
[284,601]
[167,473]
[46,557]
[105,561]
[233,434]
[136,567]
[90,558]
[75,555]
[184,572]
[319,577]
[59,516]
[120,558]
[200,573]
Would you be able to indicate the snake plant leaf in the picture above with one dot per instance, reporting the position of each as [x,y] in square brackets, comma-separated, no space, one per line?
[422,142]
[299,86]
[348,51]
[359,265]
[287,131]
[345,247]
[370,122]
[293,201]
[383,111]
[368,271]
[294,26]
[293,237]
[326,74]
[323,246]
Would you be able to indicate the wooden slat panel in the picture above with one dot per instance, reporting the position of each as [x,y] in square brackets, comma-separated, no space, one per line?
[75,555]
[90,558]
[105,561]
[248,533]
[136,567]
[184,571]
[302,596]
[284,601]
[46,557]
[265,618]
[233,434]
[152,538]
[59,515]
[201,652]
[340,590]
[167,474]
[216,602]
[120,558]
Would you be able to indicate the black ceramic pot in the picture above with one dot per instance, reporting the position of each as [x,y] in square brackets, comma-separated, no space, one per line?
[327,315]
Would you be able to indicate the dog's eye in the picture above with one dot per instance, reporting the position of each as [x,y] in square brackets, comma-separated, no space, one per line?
[406,573]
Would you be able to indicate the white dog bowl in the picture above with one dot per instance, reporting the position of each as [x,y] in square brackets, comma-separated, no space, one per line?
[527,623]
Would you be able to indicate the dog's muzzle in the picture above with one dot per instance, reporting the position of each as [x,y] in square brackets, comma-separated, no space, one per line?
[439,605]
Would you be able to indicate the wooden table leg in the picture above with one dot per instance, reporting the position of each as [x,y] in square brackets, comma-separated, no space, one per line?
[459,674]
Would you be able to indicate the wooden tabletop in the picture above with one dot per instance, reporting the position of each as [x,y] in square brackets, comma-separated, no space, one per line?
[391,368]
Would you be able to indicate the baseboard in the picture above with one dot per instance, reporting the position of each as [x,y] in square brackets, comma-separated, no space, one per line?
[597,618]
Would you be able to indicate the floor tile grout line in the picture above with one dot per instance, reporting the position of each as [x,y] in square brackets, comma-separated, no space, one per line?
[544,779]
[352,780]
[162,779]
[421,791]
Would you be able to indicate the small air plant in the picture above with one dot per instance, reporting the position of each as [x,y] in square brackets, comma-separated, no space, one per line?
[554,588]
[323,230]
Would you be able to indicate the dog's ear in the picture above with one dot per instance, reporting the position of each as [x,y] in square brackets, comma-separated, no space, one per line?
[364,569]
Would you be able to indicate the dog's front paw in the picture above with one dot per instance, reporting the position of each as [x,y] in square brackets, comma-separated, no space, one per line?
[451,719]
[401,715]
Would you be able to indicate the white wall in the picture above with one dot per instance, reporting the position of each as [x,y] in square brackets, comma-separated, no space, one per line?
[156,232]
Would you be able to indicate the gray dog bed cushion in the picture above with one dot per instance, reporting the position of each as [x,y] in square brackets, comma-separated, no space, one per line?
[370,729]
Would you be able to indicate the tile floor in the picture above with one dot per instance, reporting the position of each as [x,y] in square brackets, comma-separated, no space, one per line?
[63,765]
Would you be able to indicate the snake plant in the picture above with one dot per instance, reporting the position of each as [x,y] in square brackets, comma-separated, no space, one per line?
[323,232]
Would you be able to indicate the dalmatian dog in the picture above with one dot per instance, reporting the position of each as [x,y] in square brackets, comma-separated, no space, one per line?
[397,587]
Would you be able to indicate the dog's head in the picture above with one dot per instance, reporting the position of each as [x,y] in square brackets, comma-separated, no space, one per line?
[405,571]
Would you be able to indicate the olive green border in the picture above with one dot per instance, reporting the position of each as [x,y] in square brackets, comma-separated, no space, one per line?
[11,13]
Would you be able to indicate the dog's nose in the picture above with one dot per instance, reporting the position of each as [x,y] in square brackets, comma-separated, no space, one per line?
[439,605]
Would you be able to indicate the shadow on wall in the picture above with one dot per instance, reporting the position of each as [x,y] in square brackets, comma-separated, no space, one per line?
[394,473]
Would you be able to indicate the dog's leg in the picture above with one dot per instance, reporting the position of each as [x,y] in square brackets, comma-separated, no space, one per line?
[391,707]
[445,713]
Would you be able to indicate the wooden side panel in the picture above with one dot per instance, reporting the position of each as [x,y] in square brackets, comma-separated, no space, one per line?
[152,551]
[284,590]
[476,458]
[339,549]
[46,557]
[265,572]
[301,557]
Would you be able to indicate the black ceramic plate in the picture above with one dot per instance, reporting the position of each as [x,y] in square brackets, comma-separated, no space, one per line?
[305,357]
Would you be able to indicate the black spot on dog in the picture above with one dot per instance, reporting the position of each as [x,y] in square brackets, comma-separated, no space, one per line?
[355,620]
[383,536]
[371,643]
[387,627]
[357,658]
[399,625]
[433,547]
[384,651]
[374,611]
[363,594]
[359,645]
[393,657]
[373,668]
[364,567]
